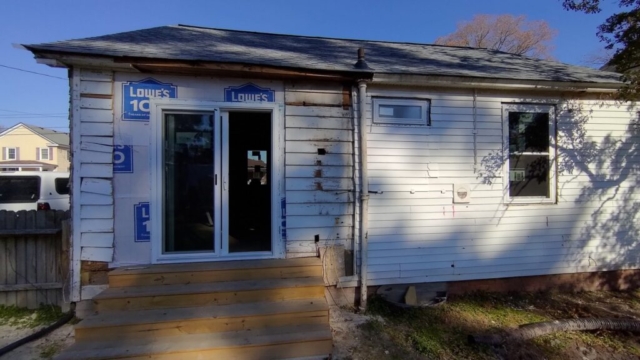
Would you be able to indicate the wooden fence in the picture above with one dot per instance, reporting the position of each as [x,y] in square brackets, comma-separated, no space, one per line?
[34,257]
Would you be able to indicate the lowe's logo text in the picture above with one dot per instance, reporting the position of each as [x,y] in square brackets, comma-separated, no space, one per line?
[249,93]
[136,95]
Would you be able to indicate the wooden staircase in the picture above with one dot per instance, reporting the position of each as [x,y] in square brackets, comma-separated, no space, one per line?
[255,309]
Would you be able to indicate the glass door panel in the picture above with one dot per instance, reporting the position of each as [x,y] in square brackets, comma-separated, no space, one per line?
[190,177]
[247,192]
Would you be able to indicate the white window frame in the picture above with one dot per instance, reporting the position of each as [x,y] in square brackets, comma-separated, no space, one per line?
[553,178]
[15,153]
[42,157]
[158,107]
[424,111]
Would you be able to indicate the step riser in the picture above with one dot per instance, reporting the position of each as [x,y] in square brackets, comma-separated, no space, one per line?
[199,299]
[213,276]
[203,325]
[279,351]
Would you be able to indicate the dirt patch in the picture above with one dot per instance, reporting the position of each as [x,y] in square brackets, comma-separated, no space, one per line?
[44,348]
[440,332]
[18,323]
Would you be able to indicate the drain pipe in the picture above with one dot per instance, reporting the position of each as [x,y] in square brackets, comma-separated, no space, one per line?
[361,64]
[364,194]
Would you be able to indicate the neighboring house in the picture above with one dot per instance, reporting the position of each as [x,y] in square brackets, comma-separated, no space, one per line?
[424,163]
[32,148]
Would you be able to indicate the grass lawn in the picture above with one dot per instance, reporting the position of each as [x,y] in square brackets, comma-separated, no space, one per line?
[441,332]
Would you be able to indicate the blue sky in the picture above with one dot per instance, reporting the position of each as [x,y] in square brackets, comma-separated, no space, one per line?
[29,21]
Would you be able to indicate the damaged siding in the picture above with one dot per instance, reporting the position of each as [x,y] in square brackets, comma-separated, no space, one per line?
[92,144]
[318,167]
[417,233]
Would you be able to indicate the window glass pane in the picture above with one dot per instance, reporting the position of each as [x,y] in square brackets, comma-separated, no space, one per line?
[189,180]
[15,189]
[400,111]
[528,132]
[44,154]
[62,186]
[529,175]
[11,154]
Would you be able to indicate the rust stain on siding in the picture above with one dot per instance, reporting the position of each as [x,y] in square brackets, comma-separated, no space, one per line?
[346,97]
[307,103]
[95,96]
[317,173]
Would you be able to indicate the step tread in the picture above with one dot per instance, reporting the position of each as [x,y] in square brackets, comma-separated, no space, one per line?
[201,288]
[154,316]
[197,342]
[215,266]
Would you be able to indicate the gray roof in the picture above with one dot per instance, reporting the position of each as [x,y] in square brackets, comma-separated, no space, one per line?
[55,137]
[181,42]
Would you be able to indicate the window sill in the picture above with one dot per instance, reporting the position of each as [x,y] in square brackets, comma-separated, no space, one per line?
[530,201]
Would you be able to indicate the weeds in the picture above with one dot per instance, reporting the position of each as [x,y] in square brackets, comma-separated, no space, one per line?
[23,318]
[441,332]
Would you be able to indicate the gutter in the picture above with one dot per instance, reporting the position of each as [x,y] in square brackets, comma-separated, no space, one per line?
[497,84]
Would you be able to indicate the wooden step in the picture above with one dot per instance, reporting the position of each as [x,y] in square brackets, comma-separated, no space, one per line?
[270,343]
[193,273]
[194,320]
[205,294]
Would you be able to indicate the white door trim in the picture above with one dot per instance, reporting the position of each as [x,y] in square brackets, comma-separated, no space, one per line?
[157,108]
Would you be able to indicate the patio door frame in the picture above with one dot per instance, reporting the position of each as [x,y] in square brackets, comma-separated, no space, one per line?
[158,107]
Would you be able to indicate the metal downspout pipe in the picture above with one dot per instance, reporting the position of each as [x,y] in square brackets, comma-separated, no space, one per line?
[364,193]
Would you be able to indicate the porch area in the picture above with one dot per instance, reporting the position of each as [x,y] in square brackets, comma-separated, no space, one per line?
[253,309]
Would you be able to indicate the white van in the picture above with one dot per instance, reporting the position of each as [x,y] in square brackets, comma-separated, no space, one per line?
[34,190]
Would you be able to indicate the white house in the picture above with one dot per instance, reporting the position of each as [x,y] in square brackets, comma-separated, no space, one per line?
[424,163]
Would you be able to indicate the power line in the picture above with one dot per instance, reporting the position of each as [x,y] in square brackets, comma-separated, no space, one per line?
[31,116]
[30,113]
[48,127]
[32,72]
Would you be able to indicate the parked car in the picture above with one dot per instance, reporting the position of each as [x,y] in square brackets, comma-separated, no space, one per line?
[34,190]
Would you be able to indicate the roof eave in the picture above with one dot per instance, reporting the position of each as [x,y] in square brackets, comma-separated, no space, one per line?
[155,65]
[491,83]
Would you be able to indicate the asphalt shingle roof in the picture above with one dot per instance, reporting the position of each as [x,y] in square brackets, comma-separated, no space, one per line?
[181,42]
[55,137]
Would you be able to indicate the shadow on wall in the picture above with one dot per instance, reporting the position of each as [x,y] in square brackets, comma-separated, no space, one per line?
[598,161]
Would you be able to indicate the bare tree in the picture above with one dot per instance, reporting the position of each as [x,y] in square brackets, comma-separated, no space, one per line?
[620,32]
[508,33]
[599,59]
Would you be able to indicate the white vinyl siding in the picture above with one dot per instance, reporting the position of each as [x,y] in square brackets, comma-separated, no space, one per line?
[417,234]
[319,168]
[92,174]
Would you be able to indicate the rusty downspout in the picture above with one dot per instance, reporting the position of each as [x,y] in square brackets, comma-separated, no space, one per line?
[364,194]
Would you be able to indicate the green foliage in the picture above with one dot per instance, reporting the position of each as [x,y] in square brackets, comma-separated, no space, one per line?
[48,351]
[621,33]
[25,318]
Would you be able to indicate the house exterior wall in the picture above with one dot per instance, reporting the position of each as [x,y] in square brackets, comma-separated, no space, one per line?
[319,185]
[318,191]
[62,156]
[28,144]
[418,234]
